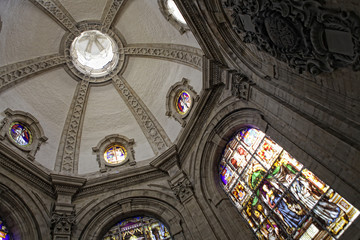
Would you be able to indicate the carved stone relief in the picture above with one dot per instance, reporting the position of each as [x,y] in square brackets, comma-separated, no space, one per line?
[110,13]
[67,155]
[36,131]
[301,33]
[154,133]
[100,149]
[241,86]
[182,189]
[186,55]
[9,74]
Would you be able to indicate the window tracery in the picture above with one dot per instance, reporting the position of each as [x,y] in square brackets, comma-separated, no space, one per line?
[277,195]
[142,227]
[172,14]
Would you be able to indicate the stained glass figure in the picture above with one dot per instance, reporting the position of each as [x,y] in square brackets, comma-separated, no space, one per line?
[277,196]
[115,154]
[20,134]
[4,232]
[136,228]
[183,102]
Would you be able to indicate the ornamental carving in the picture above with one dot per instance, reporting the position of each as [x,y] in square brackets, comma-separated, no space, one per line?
[111,13]
[68,163]
[301,33]
[61,223]
[154,133]
[182,189]
[241,86]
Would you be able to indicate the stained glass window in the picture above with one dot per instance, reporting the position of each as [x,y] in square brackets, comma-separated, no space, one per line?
[136,228]
[115,154]
[20,134]
[277,195]
[183,102]
[4,232]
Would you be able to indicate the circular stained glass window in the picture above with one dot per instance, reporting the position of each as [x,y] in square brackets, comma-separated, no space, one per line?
[183,102]
[94,53]
[20,134]
[115,154]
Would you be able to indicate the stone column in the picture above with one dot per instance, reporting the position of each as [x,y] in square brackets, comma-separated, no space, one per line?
[63,213]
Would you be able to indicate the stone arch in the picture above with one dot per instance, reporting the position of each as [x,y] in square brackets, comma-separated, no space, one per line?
[225,123]
[18,209]
[96,221]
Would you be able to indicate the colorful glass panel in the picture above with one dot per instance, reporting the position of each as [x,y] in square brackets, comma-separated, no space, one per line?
[183,102]
[4,232]
[115,154]
[20,134]
[277,196]
[144,228]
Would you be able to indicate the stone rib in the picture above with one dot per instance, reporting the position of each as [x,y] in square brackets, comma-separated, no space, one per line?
[109,14]
[189,56]
[155,134]
[67,159]
[58,12]
[12,73]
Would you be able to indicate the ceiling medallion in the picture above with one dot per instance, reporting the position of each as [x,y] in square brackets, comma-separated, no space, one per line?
[95,55]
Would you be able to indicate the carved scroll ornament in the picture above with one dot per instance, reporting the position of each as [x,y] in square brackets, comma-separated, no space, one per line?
[303,34]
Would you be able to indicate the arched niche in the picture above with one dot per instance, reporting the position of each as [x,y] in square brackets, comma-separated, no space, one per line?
[94,222]
[21,213]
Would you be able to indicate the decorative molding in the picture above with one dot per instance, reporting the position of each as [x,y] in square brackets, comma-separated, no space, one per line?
[67,159]
[178,53]
[58,12]
[167,159]
[37,134]
[155,134]
[12,73]
[68,39]
[214,73]
[110,12]
[109,140]
[303,34]
[182,189]
[22,168]
[61,225]
[117,181]
[181,27]
[172,94]
[241,86]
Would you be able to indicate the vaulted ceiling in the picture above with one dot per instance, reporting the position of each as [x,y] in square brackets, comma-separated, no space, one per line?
[36,76]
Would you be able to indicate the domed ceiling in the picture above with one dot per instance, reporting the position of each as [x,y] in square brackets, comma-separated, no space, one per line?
[77,107]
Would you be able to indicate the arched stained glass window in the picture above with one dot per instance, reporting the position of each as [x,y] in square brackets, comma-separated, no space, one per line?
[277,195]
[20,134]
[115,154]
[4,232]
[136,228]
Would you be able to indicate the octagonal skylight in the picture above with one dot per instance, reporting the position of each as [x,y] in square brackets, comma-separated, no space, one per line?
[94,53]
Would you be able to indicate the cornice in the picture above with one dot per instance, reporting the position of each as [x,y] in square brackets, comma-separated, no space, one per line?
[116,181]
[26,170]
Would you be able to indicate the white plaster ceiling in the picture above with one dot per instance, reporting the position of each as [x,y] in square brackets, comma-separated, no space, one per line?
[28,32]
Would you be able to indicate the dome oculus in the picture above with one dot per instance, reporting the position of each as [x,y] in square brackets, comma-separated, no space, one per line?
[94,53]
